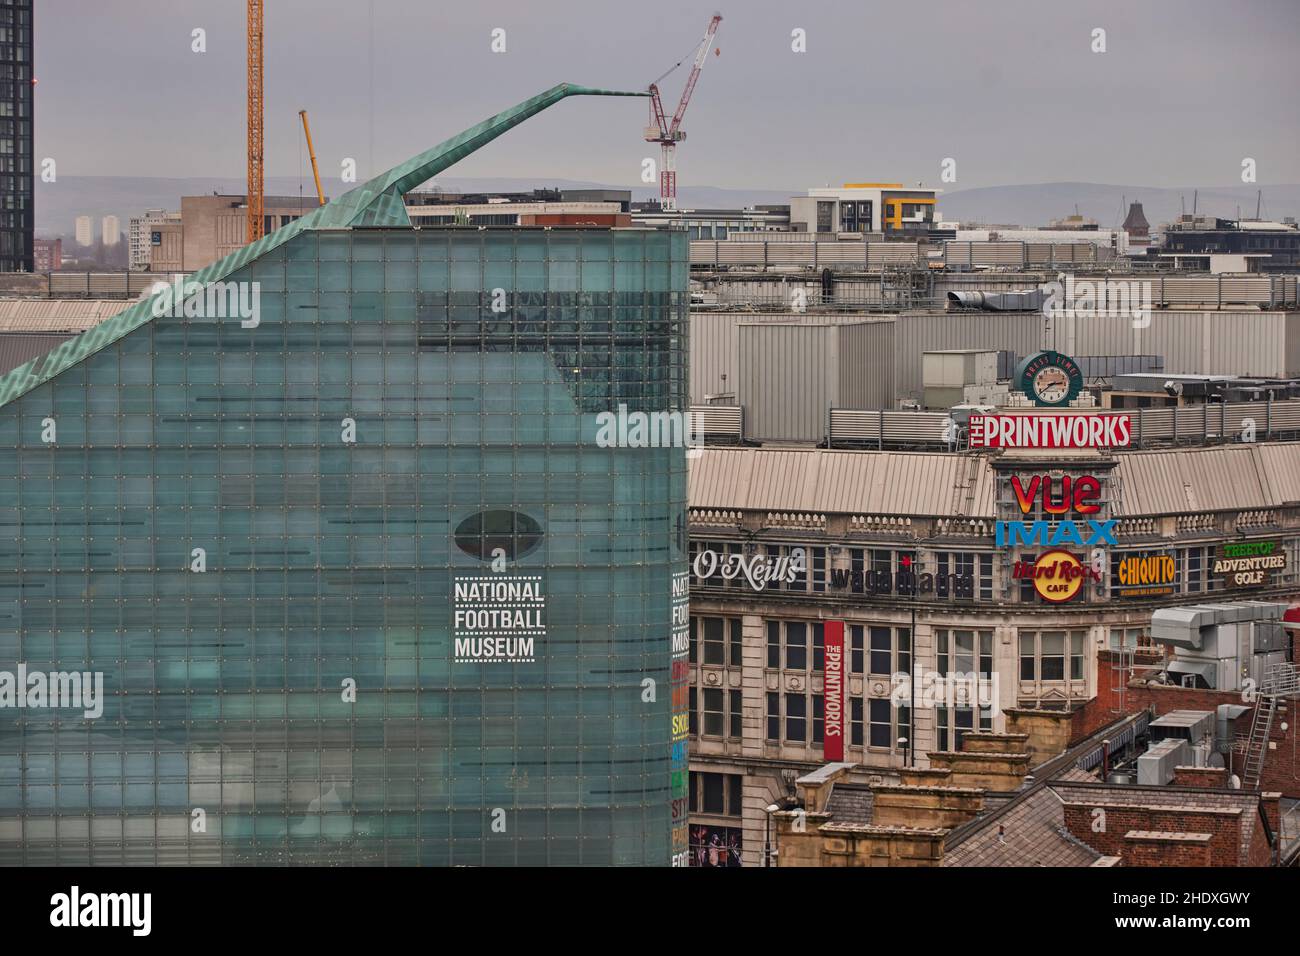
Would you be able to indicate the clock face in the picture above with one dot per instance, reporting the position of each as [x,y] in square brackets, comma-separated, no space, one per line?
[1049,378]
[1051,385]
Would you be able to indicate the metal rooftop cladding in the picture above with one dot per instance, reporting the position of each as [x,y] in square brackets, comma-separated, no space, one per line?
[377,202]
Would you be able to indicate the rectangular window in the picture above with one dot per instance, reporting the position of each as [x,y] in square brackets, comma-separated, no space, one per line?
[1076,655]
[715,800]
[1052,662]
[965,721]
[882,561]
[881,651]
[796,718]
[774,644]
[796,645]
[855,721]
[694,639]
[717,794]
[1028,668]
[963,660]
[714,652]
[694,704]
[882,732]
[713,717]
[819,718]
[1123,639]
[825,213]
[773,716]
[905,650]
[819,647]
[736,713]
[856,659]
[737,641]
[800,582]
[817,569]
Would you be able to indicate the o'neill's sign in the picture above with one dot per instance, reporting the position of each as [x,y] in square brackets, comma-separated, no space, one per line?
[759,570]
[1050,431]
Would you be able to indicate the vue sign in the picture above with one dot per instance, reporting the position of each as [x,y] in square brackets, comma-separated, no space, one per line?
[1059,497]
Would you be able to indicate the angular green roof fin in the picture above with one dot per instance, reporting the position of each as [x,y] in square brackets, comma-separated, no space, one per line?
[374,203]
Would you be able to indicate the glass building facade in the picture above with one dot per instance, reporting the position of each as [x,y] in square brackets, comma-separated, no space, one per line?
[16,156]
[275,536]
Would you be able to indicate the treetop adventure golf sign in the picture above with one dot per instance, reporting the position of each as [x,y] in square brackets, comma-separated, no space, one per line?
[1247,564]
[1068,430]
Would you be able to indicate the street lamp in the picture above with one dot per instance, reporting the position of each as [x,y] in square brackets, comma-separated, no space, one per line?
[767,834]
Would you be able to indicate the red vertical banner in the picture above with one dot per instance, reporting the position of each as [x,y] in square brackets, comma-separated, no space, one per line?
[833,738]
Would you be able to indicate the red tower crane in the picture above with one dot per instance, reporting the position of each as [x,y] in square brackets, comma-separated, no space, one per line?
[668,135]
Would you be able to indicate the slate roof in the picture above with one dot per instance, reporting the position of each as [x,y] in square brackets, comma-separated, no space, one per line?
[850,803]
[1030,833]
[937,484]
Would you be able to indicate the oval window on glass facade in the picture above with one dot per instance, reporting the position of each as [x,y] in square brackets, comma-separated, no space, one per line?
[481,534]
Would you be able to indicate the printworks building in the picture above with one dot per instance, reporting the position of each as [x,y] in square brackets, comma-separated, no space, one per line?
[784,542]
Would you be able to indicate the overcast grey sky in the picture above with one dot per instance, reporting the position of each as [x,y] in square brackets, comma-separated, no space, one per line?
[886,90]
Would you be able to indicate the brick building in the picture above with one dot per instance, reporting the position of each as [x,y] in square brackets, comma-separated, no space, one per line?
[1005,800]
[758,618]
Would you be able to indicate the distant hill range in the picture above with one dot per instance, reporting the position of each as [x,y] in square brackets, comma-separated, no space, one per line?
[58,204]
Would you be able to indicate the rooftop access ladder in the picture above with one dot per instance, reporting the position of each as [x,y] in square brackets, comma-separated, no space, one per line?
[1281,681]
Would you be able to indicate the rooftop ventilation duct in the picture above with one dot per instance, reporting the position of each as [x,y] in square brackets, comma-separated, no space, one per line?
[1027,301]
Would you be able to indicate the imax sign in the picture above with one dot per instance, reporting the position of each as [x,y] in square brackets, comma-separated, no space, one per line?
[1009,534]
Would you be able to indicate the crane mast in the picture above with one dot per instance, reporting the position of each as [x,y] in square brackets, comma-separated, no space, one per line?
[315,172]
[256,157]
[668,135]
